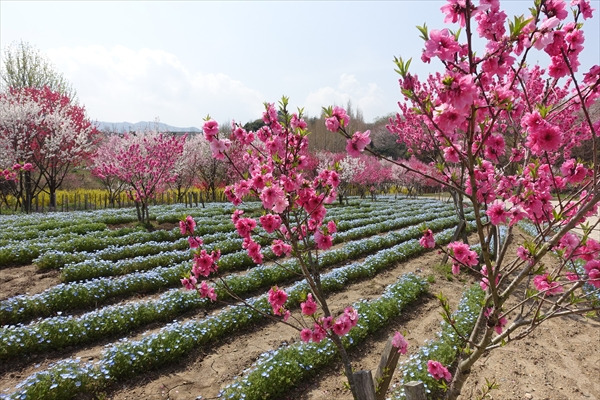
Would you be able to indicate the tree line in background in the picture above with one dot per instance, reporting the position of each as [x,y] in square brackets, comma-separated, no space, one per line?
[45,136]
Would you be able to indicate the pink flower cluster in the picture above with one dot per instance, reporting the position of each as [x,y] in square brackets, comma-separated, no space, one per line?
[545,284]
[203,263]
[438,371]
[324,326]
[276,164]
[462,254]
[187,226]
[339,118]
[277,299]
[217,146]
[10,174]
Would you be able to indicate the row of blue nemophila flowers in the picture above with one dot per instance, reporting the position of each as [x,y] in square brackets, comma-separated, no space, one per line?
[444,348]
[114,261]
[130,358]
[278,371]
[19,252]
[37,225]
[76,295]
[42,227]
[57,332]
[54,251]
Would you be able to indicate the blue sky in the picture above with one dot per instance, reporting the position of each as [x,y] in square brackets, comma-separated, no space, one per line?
[179,61]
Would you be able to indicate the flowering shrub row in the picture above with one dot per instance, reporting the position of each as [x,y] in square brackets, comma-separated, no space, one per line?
[108,262]
[22,252]
[128,358]
[82,234]
[445,348]
[32,232]
[278,371]
[81,294]
[56,332]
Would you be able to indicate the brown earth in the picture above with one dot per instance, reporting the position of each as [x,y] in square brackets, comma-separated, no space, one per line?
[561,360]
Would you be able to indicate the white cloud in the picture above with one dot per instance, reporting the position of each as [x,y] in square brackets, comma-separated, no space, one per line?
[121,84]
[367,97]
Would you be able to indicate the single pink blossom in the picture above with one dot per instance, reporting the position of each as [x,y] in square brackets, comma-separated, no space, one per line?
[323,242]
[497,213]
[455,268]
[592,268]
[245,226]
[451,155]
[357,144]
[427,241]
[332,124]
[341,326]
[211,129]
[400,342]
[319,333]
[270,222]
[306,335]
[352,315]
[309,307]
[441,44]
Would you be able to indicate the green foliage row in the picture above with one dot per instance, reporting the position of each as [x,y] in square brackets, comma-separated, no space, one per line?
[57,332]
[76,295]
[445,348]
[276,372]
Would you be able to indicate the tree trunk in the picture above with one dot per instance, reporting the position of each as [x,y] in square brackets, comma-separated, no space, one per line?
[28,193]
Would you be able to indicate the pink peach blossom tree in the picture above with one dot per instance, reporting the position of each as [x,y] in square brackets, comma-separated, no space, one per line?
[144,163]
[501,135]
[277,170]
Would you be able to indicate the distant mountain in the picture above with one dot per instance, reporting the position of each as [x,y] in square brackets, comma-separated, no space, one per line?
[140,126]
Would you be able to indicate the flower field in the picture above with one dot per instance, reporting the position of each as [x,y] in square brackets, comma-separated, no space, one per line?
[117,309]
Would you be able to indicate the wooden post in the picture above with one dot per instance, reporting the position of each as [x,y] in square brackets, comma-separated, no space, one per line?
[414,390]
[363,382]
[386,368]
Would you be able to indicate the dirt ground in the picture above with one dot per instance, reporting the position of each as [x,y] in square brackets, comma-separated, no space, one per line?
[561,360]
